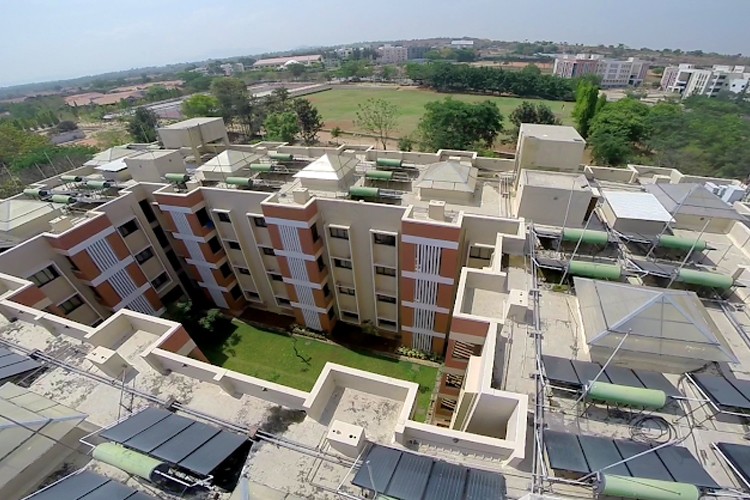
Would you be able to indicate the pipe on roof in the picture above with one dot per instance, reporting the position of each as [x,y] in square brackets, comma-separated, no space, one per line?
[705,278]
[98,184]
[63,198]
[586,236]
[71,178]
[281,157]
[261,167]
[129,461]
[364,192]
[611,485]
[594,270]
[639,397]
[677,243]
[180,178]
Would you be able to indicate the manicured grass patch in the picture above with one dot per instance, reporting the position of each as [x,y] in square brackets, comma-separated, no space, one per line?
[339,106]
[272,357]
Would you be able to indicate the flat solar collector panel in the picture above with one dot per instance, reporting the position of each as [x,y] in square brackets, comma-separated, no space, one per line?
[411,477]
[602,453]
[158,433]
[587,371]
[684,467]
[380,464]
[654,380]
[212,453]
[447,482]
[739,456]
[622,376]
[721,391]
[134,425]
[178,447]
[564,452]
[647,466]
[560,370]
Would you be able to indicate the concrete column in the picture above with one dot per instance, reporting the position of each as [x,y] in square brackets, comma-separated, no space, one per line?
[226,384]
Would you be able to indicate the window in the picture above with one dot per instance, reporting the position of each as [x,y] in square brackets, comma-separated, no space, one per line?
[387,323]
[203,217]
[72,264]
[321,264]
[233,245]
[384,239]
[160,281]
[225,270]
[223,216]
[214,244]
[339,232]
[386,298]
[346,264]
[260,222]
[252,295]
[44,276]
[326,290]
[385,271]
[268,251]
[455,381]
[483,253]
[275,277]
[144,255]
[147,210]
[331,313]
[244,271]
[314,231]
[173,260]
[130,226]
[283,302]
[161,237]
[235,292]
[71,304]
[345,290]
[350,316]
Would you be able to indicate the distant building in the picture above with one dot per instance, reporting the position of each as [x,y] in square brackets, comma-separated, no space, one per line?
[389,54]
[463,44]
[417,52]
[82,99]
[614,73]
[276,62]
[687,80]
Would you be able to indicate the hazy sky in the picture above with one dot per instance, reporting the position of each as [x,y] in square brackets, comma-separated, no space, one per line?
[54,39]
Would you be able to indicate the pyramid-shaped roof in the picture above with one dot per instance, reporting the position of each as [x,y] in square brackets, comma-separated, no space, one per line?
[329,167]
[656,321]
[692,199]
[229,161]
[449,175]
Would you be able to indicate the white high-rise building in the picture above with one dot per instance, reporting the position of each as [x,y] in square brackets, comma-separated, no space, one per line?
[687,80]
[614,73]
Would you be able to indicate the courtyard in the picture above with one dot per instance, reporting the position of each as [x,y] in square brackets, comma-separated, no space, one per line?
[297,361]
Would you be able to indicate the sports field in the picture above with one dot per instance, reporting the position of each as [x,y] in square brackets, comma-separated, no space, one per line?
[339,106]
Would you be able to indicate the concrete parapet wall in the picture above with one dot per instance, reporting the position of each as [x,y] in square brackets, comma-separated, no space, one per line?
[449,438]
[610,174]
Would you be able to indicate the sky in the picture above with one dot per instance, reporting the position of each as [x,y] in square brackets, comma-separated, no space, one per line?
[43,40]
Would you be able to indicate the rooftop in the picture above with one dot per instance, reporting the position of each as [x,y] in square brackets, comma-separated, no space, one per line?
[692,199]
[450,175]
[192,122]
[635,205]
[550,132]
[540,178]
[15,212]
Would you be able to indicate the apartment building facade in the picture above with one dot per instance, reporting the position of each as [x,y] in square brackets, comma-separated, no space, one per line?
[614,73]
[390,54]
[687,80]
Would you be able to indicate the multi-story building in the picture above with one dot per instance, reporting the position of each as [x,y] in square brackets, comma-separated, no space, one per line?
[390,54]
[687,80]
[614,73]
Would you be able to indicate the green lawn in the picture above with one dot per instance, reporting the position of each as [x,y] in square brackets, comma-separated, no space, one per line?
[271,357]
[338,106]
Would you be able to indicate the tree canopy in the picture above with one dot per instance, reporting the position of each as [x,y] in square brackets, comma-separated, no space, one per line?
[142,125]
[308,120]
[528,112]
[587,95]
[451,124]
[378,117]
[281,126]
[200,105]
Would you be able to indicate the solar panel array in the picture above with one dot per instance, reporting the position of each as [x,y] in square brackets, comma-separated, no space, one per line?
[738,455]
[181,441]
[89,486]
[585,454]
[574,373]
[12,364]
[408,476]
[727,394]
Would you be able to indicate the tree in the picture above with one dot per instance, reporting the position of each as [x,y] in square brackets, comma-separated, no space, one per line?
[237,106]
[587,95]
[66,126]
[336,132]
[378,117]
[451,124]
[200,105]
[354,69]
[281,126]
[210,320]
[527,112]
[142,125]
[278,101]
[158,93]
[405,143]
[296,69]
[617,130]
[308,120]
[388,73]
[15,143]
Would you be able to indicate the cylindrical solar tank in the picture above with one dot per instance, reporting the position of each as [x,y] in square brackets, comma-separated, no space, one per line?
[98,184]
[380,175]
[704,278]
[36,193]
[177,177]
[281,157]
[261,167]
[586,236]
[677,243]
[593,270]
[388,162]
[129,461]
[611,485]
[63,198]
[239,181]
[364,192]
[71,178]
[639,397]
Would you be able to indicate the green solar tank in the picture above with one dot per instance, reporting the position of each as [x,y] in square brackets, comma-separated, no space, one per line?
[62,198]
[364,192]
[35,193]
[586,236]
[669,241]
[239,181]
[638,397]
[177,177]
[380,175]
[593,270]
[261,167]
[71,178]
[98,184]
[388,162]
[127,460]
[704,278]
[611,485]
[281,157]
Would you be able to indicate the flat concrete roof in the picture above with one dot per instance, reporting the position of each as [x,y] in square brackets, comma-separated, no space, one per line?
[638,206]
[558,180]
[551,132]
[192,122]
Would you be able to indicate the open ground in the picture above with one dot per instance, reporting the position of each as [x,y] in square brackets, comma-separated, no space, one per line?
[339,105]
[297,361]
